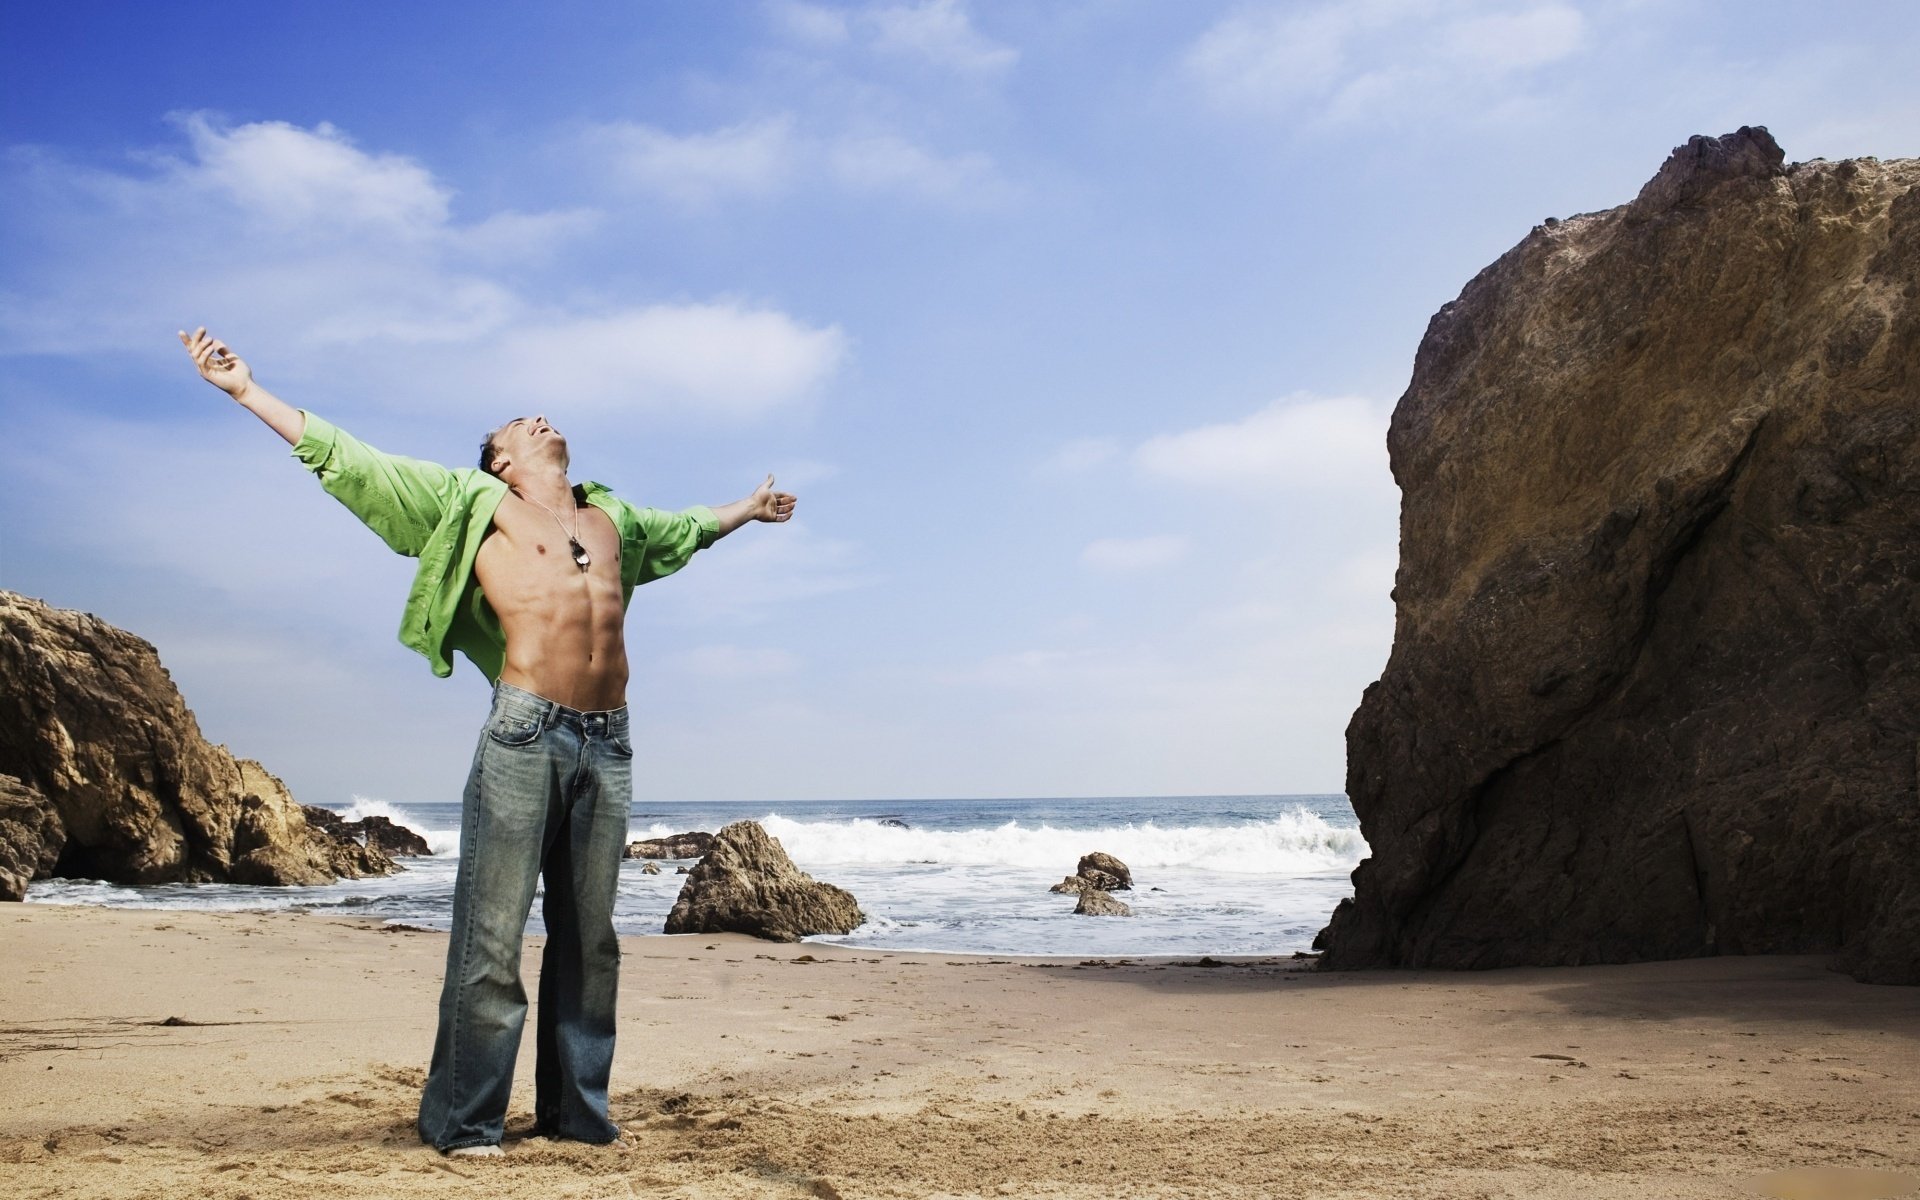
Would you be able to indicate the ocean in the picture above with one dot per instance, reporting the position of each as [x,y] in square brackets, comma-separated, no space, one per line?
[1212,874]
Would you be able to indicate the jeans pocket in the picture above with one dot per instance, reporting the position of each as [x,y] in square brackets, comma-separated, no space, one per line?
[621,745]
[513,729]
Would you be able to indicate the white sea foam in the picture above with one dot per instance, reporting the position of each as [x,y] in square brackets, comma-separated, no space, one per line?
[440,841]
[1225,875]
[1293,843]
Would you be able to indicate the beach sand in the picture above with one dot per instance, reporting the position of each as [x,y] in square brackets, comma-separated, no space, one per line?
[266,1056]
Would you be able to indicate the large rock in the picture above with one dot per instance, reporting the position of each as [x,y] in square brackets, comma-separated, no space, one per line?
[677,845]
[31,837]
[91,720]
[1655,682]
[380,833]
[747,884]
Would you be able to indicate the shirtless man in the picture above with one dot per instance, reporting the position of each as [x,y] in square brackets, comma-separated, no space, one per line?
[528,575]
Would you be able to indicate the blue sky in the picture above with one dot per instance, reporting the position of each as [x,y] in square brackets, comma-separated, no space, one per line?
[1074,325]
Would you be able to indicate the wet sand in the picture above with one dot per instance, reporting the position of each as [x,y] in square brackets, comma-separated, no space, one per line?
[298,1043]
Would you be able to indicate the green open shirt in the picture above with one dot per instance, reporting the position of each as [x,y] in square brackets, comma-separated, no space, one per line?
[440,515]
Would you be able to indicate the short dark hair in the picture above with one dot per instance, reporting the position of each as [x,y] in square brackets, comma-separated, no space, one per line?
[487,450]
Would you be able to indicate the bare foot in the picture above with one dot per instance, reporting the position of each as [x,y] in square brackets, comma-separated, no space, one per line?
[488,1151]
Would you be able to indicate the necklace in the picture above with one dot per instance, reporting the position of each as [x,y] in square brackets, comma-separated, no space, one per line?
[580,555]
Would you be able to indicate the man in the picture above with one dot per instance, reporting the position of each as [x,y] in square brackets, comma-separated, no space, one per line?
[527,575]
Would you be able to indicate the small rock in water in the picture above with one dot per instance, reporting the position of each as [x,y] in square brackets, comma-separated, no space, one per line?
[692,844]
[1096,903]
[1108,873]
[1097,871]
[652,868]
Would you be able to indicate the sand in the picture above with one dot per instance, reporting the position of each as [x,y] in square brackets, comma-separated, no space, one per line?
[298,1043]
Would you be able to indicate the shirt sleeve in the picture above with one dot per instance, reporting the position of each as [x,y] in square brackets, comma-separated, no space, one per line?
[401,499]
[669,539]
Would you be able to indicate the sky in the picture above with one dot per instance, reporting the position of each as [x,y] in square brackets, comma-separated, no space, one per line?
[1075,326]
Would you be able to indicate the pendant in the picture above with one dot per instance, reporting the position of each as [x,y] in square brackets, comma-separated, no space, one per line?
[579,553]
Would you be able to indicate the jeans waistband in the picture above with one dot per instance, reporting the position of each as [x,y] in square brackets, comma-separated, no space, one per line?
[552,712]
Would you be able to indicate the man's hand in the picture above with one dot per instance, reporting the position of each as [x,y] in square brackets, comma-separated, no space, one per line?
[218,365]
[223,369]
[768,505]
[764,505]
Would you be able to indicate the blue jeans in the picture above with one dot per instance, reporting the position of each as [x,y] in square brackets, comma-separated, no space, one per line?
[548,796]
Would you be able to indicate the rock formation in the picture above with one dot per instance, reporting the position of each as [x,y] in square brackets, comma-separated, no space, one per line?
[1096,903]
[1655,682]
[381,833]
[31,837]
[1097,871]
[747,884]
[678,845]
[90,720]
[1105,872]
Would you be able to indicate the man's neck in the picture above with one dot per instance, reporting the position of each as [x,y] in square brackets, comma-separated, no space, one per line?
[547,487]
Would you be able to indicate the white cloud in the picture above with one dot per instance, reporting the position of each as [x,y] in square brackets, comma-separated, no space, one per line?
[772,157]
[514,237]
[1080,455]
[764,570]
[1248,709]
[939,32]
[1134,554]
[720,359]
[815,23]
[726,662]
[1342,62]
[308,180]
[797,474]
[299,241]
[1515,40]
[1301,441]
[751,158]
[188,521]
[885,163]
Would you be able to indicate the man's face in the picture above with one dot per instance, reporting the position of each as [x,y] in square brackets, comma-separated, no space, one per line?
[529,440]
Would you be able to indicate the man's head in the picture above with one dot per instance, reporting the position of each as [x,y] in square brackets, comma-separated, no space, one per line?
[522,443]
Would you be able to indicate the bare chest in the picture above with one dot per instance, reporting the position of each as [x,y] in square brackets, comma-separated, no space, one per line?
[529,544]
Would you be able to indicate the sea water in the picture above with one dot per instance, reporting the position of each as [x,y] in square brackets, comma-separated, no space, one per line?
[1212,874]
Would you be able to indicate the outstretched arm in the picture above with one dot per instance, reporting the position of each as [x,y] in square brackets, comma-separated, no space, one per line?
[764,504]
[223,369]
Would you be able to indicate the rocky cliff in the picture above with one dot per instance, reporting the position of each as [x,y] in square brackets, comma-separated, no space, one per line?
[1655,682]
[91,721]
